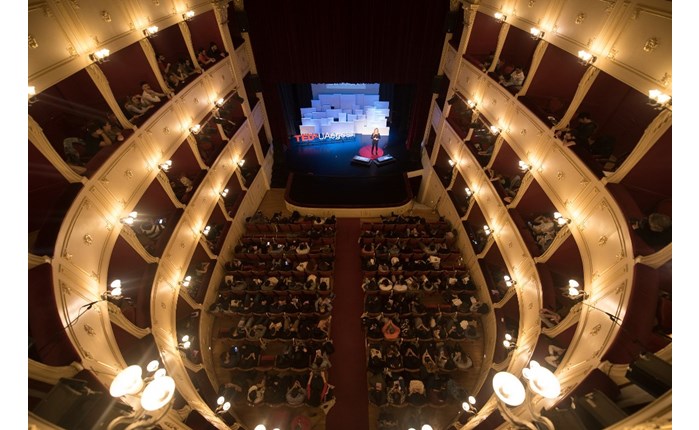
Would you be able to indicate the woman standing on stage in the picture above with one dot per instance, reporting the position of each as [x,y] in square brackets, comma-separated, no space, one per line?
[375,136]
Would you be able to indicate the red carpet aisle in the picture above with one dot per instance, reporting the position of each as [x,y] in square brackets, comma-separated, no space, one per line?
[348,372]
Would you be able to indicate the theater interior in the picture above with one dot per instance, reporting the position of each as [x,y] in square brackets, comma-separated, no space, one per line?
[192,265]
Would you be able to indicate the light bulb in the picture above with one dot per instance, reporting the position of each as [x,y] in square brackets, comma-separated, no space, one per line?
[153,366]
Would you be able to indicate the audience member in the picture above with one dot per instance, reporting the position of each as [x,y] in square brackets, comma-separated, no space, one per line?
[515,80]
[149,95]
[214,52]
[555,355]
[204,59]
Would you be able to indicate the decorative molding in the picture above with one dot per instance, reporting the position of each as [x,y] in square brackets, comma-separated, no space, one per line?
[602,241]
[531,3]
[580,18]
[33,44]
[106,17]
[74,4]
[651,44]
[595,330]
[87,239]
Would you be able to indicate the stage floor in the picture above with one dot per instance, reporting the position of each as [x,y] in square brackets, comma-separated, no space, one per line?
[335,158]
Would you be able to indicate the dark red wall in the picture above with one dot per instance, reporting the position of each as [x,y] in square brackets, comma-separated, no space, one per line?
[170,43]
[557,76]
[518,49]
[484,36]
[126,69]
[204,29]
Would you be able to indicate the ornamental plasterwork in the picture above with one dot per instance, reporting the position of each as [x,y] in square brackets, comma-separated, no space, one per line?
[651,44]
[580,18]
[87,239]
[531,3]
[595,330]
[106,17]
[89,330]
[32,42]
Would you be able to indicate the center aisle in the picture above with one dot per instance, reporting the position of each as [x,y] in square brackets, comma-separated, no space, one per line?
[348,372]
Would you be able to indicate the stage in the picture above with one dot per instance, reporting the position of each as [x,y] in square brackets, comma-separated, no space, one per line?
[331,157]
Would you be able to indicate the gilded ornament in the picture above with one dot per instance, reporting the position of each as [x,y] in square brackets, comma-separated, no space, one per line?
[128,173]
[595,330]
[106,17]
[651,44]
[89,330]
[87,239]
[602,241]
[32,42]
[560,175]
[580,18]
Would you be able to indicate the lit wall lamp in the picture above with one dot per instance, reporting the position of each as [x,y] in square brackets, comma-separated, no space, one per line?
[659,100]
[31,95]
[186,281]
[494,130]
[150,31]
[224,193]
[470,405]
[165,166]
[195,129]
[509,282]
[511,392]
[560,219]
[185,343]
[487,230]
[536,33]
[155,397]
[452,163]
[500,17]
[524,166]
[241,162]
[219,102]
[115,290]
[206,230]
[468,192]
[223,405]
[509,342]
[100,56]
[471,104]
[129,219]
[260,427]
[188,15]
[586,59]
[574,291]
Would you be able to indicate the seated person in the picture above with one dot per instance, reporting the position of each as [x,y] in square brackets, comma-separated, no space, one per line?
[555,355]
[515,80]
[549,317]
[542,225]
[214,52]
[204,59]
[149,95]
[151,228]
[136,106]
[112,132]
[583,130]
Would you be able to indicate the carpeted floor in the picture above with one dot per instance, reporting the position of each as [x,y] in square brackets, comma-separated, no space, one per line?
[348,372]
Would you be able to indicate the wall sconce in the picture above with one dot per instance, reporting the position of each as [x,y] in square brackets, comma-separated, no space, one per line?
[560,219]
[188,15]
[509,282]
[129,219]
[574,291]
[100,56]
[487,230]
[185,343]
[114,292]
[31,94]
[586,59]
[469,405]
[206,230]
[219,102]
[536,33]
[659,100]
[494,130]
[241,162]
[452,163]
[223,405]
[524,166]
[224,193]
[471,104]
[186,281]
[500,17]
[468,192]
[260,427]
[195,129]
[150,31]
[509,342]
[156,396]
[165,166]
[511,392]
